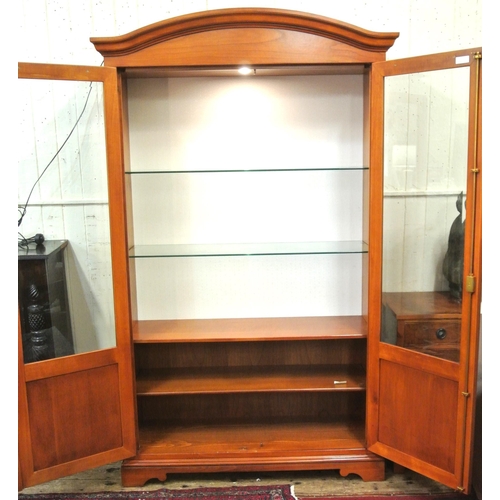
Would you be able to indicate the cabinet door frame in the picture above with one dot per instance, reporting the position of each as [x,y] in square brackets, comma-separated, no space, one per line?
[116,361]
[464,373]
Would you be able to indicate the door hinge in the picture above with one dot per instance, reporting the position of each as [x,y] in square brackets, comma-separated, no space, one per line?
[460,489]
[470,283]
[465,394]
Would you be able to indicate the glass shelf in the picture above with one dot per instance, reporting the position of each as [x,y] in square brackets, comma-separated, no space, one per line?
[224,171]
[248,249]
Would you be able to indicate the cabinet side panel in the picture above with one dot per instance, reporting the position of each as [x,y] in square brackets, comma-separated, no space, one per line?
[366,187]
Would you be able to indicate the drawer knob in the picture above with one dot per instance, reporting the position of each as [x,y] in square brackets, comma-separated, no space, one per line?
[440,333]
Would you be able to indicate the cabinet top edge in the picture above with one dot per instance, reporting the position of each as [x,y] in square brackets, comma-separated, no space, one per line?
[234,18]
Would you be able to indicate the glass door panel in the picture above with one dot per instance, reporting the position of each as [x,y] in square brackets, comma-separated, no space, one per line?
[64,255]
[425,188]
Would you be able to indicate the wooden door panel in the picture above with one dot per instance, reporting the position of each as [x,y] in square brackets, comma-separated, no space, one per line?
[423,322]
[427,404]
[88,398]
[77,411]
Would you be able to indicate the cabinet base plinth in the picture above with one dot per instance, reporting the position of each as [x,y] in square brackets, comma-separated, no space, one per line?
[137,471]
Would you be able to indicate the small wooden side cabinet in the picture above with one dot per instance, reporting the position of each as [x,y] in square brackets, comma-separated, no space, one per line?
[43,301]
[428,322]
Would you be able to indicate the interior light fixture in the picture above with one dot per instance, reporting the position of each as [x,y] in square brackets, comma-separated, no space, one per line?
[244,70]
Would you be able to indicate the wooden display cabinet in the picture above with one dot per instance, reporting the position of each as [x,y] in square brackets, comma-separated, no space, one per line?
[295,391]
[254,393]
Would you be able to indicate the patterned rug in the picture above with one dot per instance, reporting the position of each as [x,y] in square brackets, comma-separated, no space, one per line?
[437,496]
[231,493]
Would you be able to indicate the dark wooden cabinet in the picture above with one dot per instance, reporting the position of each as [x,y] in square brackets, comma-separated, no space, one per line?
[428,322]
[43,301]
[300,391]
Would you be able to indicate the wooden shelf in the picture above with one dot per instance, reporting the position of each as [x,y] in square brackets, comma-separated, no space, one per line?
[257,447]
[249,439]
[250,379]
[249,329]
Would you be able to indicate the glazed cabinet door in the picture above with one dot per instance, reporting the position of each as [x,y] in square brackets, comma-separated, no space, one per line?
[76,404]
[425,246]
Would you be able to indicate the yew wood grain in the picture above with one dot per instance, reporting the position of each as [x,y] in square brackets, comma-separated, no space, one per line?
[150,356]
[277,445]
[474,362]
[274,41]
[247,438]
[214,26]
[87,397]
[440,61]
[454,378]
[77,412]
[418,361]
[470,340]
[251,407]
[261,379]
[416,305]
[429,433]
[243,415]
[248,329]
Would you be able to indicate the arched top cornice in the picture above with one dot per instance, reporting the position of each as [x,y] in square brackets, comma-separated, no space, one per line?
[224,19]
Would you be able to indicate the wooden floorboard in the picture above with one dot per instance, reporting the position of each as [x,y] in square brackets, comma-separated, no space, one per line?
[305,483]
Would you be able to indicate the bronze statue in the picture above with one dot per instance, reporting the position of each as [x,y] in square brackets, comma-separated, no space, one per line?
[453,264]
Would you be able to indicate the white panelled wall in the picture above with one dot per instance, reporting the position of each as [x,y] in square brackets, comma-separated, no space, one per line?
[57,31]
[425,170]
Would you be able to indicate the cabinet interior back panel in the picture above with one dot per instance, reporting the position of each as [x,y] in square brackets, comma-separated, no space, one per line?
[215,125]
[249,287]
[246,207]
[246,122]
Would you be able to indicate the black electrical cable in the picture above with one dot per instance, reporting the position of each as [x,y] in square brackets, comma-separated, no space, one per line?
[22,209]
[38,239]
